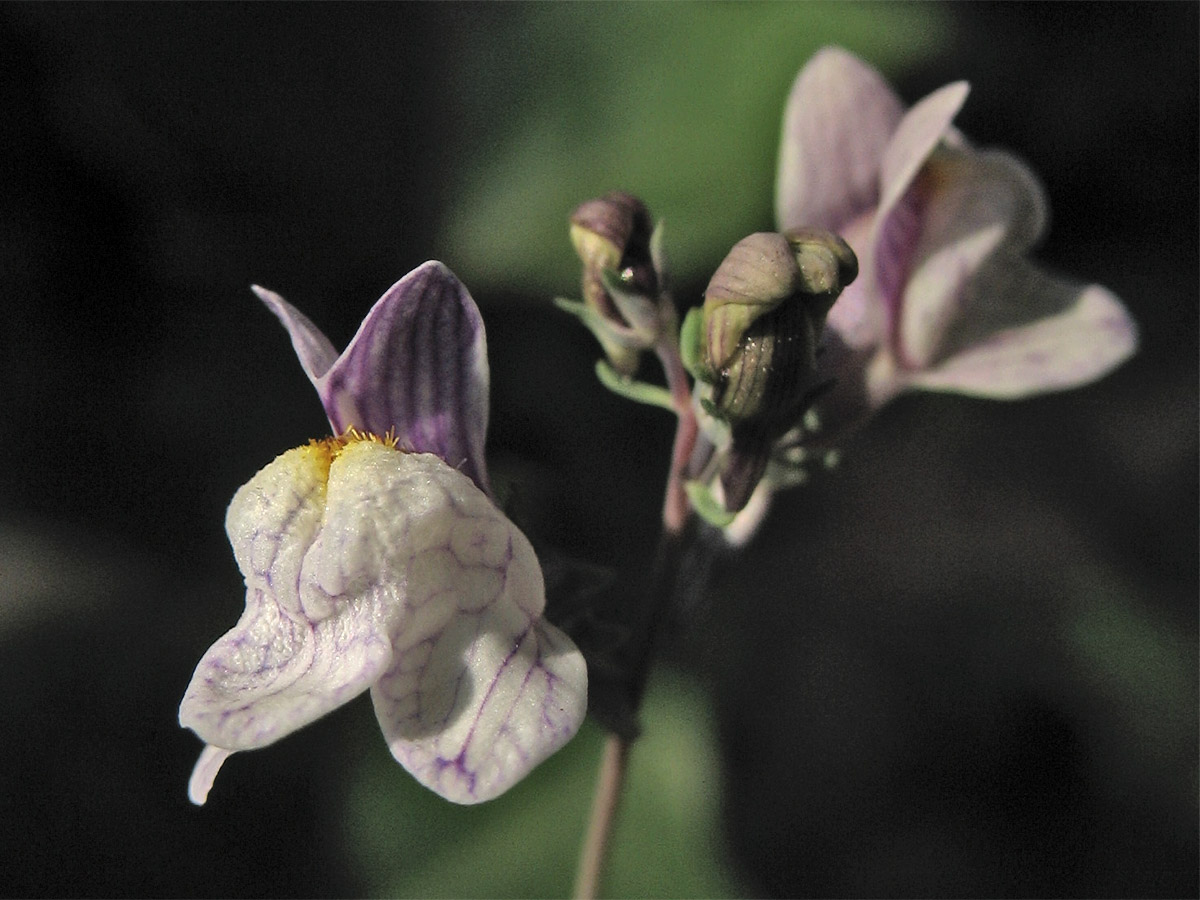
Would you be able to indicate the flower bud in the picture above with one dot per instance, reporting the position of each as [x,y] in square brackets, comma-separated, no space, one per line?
[763,314]
[761,324]
[827,265]
[621,285]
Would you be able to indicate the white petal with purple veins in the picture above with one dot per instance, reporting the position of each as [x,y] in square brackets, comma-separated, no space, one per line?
[367,565]
[280,668]
[521,697]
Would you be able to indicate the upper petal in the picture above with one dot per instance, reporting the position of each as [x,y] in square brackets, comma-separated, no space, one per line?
[416,368]
[316,353]
[914,139]
[838,121]
[899,220]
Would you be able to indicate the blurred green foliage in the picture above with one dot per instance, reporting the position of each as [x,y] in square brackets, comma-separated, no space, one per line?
[679,103]
[405,841]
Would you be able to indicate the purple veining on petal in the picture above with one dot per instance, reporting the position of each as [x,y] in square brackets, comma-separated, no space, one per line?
[417,367]
[895,240]
[458,707]
[460,758]
[276,670]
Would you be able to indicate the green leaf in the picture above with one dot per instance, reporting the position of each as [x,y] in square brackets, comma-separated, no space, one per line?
[637,391]
[706,505]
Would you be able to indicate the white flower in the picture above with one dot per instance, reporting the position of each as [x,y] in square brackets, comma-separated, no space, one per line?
[371,561]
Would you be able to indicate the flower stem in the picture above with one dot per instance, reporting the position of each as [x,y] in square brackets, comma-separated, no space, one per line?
[676,515]
[675,502]
[609,782]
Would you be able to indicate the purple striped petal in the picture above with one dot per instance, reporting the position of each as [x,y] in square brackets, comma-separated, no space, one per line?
[417,367]
[840,115]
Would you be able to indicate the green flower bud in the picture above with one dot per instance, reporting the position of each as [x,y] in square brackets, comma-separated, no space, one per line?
[759,331]
[764,311]
[621,286]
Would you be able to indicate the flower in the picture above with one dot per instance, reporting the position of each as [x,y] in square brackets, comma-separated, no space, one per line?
[947,300]
[377,559]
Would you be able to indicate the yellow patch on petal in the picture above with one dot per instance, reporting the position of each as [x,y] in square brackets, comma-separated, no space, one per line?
[333,446]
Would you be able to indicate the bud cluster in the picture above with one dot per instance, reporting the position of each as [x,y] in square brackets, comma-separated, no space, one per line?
[751,347]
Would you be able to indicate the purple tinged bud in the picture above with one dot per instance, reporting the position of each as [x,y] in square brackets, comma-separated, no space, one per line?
[611,235]
[763,316]
[764,311]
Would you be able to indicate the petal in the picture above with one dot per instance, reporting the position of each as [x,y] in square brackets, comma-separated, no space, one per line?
[899,219]
[914,139]
[857,316]
[418,367]
[279,669]
[838,120]
[315,352]
[971,202]
[1042,334]
[205,772]
[481,689]
[469,735]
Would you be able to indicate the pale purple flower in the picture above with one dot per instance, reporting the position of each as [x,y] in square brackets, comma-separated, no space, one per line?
[946,299]
[377,560]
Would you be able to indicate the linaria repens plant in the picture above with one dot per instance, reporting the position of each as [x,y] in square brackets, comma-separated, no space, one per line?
[377,559]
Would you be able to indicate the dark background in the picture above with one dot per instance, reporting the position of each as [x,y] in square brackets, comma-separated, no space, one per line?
[962,665]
